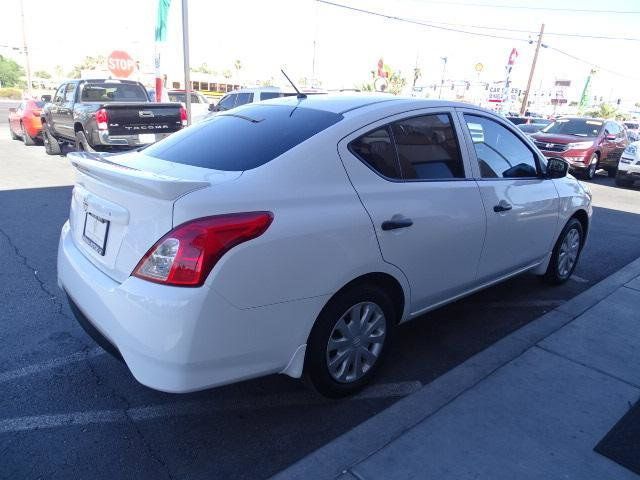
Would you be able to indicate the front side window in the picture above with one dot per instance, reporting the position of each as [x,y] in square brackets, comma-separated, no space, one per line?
[227,102]
[427,148]
[244,98]
[70,92]
[500,153]
[59,96]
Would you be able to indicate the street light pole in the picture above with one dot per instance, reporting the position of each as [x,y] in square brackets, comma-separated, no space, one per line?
[525,100]
[444,69]
[185,53]
[26,50]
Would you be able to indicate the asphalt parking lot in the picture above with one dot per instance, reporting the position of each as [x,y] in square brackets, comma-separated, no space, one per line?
[70,411]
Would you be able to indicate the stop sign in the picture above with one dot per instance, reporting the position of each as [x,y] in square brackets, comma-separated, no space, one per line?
[120,63]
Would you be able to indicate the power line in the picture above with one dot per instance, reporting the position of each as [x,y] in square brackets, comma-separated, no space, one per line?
[525,7]
[416,22]
[557,34]
[599,67]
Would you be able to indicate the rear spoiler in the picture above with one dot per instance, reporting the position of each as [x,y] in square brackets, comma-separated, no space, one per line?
[164,187]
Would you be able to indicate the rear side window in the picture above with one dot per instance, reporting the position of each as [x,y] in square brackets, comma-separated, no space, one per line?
[376,149]
[244,98]
[416,148]
[428,148]
[243,139]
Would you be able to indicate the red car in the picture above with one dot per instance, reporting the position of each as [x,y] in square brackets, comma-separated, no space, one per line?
[586,143]
[24,121]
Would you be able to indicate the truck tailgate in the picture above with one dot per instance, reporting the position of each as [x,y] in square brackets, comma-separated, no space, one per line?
[136,118]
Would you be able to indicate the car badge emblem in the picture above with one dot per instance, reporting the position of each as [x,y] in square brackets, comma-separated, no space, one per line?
[145,113]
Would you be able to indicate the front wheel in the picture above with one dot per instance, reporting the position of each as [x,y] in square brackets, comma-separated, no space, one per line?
[51,145]
[13,134]
[349,340]
[590,172]
[612,172]
[565,253]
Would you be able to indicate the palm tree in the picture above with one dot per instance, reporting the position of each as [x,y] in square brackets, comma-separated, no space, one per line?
[238,66]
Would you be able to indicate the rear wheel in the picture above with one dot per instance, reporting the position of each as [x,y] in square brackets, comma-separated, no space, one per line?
[612,172]
[51,145]
[82,144]
[26,138]
[349,340]
[565,253]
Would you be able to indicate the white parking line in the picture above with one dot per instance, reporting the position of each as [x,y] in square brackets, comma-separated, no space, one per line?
[49,364]
[21,424]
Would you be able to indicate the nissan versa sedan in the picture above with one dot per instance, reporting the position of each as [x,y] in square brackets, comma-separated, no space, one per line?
[292,236]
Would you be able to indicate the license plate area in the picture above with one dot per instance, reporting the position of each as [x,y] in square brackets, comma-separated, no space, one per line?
[95,232]
[146,138]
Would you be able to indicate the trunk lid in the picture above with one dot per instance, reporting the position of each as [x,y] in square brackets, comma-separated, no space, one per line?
[136,118]
[122,204]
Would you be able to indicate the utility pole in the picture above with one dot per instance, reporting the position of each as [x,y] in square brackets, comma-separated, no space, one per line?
[26,50]
[525,100]
[444,69]
[185,54]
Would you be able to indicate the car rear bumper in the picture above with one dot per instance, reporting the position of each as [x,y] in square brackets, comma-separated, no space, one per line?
[181,339]
[103,138]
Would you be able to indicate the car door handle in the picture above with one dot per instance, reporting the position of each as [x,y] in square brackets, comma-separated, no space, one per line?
[396,223]
[503,206]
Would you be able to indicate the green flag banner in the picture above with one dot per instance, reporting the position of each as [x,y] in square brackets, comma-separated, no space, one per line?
[161,20]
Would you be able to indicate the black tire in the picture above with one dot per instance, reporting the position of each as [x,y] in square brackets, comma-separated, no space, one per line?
[316,370]
[82,144]
[51,145]
[612,172]
[590,171]
[623,182]
[27,139]
[13,135]
[554,275]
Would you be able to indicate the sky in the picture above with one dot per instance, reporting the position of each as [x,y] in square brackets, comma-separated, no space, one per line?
[269,34]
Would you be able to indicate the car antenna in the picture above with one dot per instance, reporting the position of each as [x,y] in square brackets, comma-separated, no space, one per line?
[299,93]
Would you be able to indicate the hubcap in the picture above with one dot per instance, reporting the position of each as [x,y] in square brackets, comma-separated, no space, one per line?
[568,252]
[356,342]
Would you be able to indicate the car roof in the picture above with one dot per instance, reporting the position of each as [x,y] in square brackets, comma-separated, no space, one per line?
[340,103]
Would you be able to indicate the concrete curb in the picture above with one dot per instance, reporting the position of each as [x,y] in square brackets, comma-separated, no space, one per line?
[335,458]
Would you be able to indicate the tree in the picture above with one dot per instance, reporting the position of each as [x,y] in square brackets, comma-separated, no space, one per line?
[204,68]
[10,72]
[417,73]
[637,104]
[42,74]
[58,71]
[226,74]
[89,63]
[238,66]
[605,110]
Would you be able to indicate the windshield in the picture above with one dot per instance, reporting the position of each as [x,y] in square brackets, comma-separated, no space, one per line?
[243,138]
[113,92]
[579,127]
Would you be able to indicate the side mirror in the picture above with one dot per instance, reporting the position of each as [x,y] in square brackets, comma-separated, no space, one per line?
[557,167]
[45,98]
[13,109]
[212,107]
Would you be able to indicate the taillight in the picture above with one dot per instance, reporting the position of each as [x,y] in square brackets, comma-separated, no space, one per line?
[183,116]
[186,255]
[102,117]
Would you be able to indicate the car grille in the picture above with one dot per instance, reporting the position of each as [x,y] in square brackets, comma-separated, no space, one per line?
[551,147]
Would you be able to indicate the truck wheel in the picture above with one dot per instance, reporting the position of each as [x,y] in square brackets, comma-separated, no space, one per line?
[51,145]
[82,144]
[26,138]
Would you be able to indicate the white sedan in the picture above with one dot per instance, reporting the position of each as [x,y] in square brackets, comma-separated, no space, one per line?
[293,236]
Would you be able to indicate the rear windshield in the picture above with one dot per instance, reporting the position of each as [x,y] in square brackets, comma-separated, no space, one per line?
[243,138]
[113,92]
